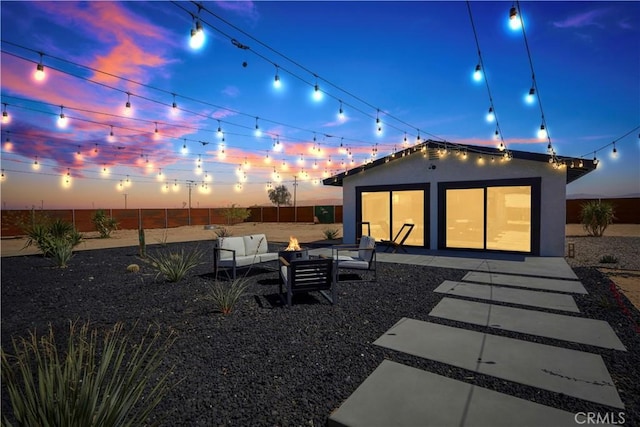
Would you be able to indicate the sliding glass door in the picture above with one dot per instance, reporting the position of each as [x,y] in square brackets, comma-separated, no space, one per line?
[490,215]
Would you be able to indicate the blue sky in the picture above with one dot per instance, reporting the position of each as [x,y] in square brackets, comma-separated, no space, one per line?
[408,64]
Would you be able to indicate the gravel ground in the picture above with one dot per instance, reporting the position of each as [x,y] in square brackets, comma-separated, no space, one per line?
[266,364]
[589,251]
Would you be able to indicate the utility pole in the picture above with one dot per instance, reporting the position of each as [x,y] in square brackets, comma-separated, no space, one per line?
[295,188]
[189,187]
[125,200]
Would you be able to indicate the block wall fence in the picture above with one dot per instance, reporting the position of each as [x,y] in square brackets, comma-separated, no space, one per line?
[132,219]
[627,211]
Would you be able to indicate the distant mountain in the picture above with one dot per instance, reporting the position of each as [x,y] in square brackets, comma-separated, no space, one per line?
[600,196]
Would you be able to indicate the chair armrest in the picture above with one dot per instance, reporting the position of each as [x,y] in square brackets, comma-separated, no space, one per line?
[284,262]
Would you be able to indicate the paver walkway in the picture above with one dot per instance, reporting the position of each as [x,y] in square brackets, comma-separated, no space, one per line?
[395,394]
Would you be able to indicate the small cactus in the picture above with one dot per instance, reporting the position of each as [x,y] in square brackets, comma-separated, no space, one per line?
[133,268]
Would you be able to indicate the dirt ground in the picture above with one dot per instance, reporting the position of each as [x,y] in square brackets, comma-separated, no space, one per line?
[275,232]
[627,280]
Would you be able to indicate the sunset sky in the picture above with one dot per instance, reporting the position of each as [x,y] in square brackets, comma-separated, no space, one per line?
[403,67]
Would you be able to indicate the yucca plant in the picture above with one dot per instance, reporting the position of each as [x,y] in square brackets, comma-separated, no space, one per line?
[55,239]
[596,217]
[225,296]
[104,224]
[107,381]
[174,265]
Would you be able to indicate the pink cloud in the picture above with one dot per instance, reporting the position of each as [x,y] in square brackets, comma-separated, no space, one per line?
[243,8]
[581,20]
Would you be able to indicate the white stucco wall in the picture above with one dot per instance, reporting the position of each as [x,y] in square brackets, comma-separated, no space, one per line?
[414,169]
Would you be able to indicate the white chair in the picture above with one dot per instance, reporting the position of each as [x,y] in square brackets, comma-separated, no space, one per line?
[360,257]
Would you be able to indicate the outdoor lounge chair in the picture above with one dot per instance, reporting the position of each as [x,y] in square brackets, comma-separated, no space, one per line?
[399,239]
[364,259]
[307,276]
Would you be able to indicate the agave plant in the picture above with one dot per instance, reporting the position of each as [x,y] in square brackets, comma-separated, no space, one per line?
[104,381]
[175,265]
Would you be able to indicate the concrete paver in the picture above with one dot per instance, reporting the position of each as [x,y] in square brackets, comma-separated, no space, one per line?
[557,285]
[526,297]
[569,328]
[574,373]
[399,395]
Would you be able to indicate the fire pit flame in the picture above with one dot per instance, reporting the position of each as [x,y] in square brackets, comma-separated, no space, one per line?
[293,245]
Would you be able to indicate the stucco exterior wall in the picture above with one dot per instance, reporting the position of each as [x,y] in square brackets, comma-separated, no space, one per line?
[416,169]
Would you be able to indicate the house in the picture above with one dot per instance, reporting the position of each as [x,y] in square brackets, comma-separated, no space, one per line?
[462,197]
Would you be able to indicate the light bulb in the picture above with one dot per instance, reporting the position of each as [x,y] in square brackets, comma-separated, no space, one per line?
[477,74]
[531,96]
[317,94]
[62,120]
[514,20]
[39,74]
[197,36]
[276,81]
[6,118]
[542,132]
[491,117]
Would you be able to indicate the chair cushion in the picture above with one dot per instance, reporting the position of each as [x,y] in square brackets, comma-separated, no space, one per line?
[366,244]
[353,263]
[255,244]
[232,243]
[269,256]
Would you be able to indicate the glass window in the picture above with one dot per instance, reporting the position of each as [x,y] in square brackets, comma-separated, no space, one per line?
[376,211]
[408,208]
[465,218]
[509,218]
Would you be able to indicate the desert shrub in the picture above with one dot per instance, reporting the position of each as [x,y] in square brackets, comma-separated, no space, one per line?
[225,295]
[104,381]
[174,265]
[234,214]
[223,232]
[596,216]
[104,224]
[608,259]
[55,239]
[331,233]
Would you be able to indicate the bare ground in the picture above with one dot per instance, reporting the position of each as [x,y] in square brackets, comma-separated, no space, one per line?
[620,240]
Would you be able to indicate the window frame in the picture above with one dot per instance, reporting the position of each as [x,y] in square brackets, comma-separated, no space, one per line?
[426,189]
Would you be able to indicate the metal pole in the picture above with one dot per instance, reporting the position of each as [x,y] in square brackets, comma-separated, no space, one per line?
[295,188]
[125,200]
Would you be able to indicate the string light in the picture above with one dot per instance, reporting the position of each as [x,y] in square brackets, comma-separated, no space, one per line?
[317,93]
[341,116]
[111,137]
[491,117]
[197,34]
[542,133]
[35,166]
[6,118]
[184,149]
[276,80]
[531,96]
[257,132]
[219,132]
[62,120]
[514,19]
[127,105]
[39,74]
[477,73]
